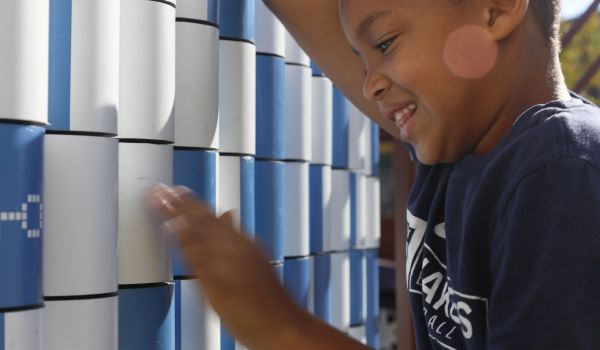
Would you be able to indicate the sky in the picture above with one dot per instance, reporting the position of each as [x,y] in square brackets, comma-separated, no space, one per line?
[573,8]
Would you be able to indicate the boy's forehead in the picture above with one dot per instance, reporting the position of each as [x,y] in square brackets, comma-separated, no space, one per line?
[355,14]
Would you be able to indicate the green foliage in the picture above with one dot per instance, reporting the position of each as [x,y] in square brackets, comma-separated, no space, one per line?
[579,55]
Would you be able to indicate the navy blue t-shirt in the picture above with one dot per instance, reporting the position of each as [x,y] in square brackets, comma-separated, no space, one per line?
[503,250]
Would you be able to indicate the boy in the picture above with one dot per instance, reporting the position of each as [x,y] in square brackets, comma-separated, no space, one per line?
[504,216]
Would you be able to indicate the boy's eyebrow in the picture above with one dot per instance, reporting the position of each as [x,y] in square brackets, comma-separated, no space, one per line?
[367,22]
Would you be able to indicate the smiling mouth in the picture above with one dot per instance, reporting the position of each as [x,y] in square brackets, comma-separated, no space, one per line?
[402,116]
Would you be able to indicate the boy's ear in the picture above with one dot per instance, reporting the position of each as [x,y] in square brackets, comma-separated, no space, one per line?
[504,16]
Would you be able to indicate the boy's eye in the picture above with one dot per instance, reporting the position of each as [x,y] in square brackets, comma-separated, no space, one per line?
[384,45]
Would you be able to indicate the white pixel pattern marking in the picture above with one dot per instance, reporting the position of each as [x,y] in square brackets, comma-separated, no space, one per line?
[22,216]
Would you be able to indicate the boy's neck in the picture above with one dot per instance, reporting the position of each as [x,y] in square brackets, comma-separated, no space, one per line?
[529,84]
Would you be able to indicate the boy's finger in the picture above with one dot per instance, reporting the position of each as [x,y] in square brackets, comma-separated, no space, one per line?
[228,218]
[162,199]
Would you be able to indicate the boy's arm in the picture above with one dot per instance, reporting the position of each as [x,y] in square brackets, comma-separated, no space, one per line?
[238,280]
[545,255]
[315,25]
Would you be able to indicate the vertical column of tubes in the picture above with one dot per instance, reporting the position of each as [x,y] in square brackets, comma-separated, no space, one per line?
[146,134]
[80,176]
[196,159]
[372,260]
[360,164]
[320,183]
[270,132]
[237,119]
[23,111]
[297,154]
[340,214]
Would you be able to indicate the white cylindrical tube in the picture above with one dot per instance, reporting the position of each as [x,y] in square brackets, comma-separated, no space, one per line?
[358,333]
[200,327]
[374,213]
[24,27]
[322,121]
[339,214]
[340,291]
[294,53]
[320,198]
[270,33]
[89,324]
[80,244]
[296,210]
[358,129]
[237,97]
[203,10]
[94,69]
[197,88]
[147,70]
[144,251]
[21,330]
[236,190]
[298,110]
[362,207]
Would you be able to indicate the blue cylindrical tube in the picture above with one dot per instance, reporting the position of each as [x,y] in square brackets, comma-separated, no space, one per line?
[296,279]
[269,208]
[341,129]
[197,170]
[316,71]
[374,149]
[147,317]
[21,215]
[372,328]
[357,287]
[270,107]
[353,210]
[322,287]
[236,18]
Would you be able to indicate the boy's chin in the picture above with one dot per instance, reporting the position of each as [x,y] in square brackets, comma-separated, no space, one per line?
[429,157]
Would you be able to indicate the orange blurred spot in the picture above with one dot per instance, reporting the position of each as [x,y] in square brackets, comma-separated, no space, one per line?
[470,52]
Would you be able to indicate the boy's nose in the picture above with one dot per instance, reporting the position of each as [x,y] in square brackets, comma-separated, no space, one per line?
[375,86]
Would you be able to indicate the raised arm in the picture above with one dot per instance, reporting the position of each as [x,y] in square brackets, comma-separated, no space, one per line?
[315,25]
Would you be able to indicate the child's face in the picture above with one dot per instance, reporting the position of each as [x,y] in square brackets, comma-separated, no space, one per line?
[432,59]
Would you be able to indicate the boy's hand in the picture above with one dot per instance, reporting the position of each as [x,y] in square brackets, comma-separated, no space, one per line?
[237,279]
[235,276]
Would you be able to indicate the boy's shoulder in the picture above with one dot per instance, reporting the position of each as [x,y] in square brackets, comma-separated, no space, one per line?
[559,141]
[546,134]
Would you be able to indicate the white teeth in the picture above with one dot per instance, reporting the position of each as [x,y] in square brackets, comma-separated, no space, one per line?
[400,114]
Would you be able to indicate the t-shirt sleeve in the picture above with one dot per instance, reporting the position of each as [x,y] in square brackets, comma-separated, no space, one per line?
[545,262]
